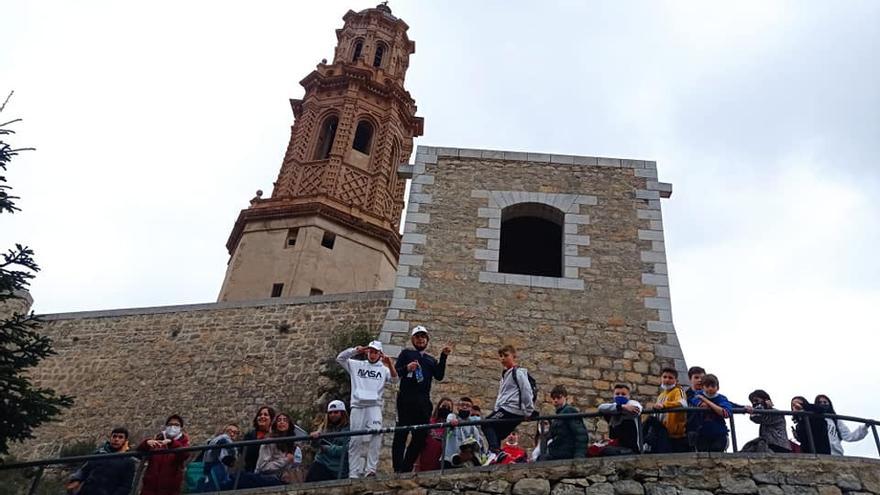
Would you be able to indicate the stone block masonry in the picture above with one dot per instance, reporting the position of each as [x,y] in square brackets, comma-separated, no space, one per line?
[211,363]
[607,319]
[670,474]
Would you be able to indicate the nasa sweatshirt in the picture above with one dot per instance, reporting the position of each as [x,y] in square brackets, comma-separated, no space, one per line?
[367,379]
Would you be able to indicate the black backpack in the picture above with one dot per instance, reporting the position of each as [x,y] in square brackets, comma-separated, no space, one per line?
[532,383]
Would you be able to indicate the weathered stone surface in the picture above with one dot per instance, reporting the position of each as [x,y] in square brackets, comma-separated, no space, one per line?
[848,481]
[576,481]
[731,484]
[828,490]
[567,489]
[531,486]
[628,487]
[770,490]
[600,489]
[690,491]
[768,477]
[495,486]
[798,490]
[661,489]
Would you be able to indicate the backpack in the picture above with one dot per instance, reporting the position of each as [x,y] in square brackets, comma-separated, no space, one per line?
[532,383]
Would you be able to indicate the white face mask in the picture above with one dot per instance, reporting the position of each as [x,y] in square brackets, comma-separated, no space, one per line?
[666,387]
[172,431]
[710,396]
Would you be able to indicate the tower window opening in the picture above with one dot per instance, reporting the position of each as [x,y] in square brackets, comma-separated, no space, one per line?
[328,240]
[358,48]
[326,137]
[276,290]
[531,240]
[291,237]
[380,53]
[363,136]
[316,292]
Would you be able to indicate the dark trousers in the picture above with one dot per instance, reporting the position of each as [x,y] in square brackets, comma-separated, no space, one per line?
[778,449]
[496,432]
[320,472]
[679,444]
[410,411]
[711,444]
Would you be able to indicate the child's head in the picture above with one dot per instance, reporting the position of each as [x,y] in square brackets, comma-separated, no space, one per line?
[695,375]
[824,402]
[798,403]
[508,356]
[558,396]
[621,390]
[710,384]
[760,398]
[668,377]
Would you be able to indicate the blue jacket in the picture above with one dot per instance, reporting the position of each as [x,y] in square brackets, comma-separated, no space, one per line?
[410,388]
[711,424]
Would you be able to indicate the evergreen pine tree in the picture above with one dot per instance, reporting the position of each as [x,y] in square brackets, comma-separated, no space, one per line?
[23,406]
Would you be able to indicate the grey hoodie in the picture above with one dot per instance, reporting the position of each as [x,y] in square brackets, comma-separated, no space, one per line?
[515,395]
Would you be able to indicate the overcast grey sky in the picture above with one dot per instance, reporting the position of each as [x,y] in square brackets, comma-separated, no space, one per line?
[155,123]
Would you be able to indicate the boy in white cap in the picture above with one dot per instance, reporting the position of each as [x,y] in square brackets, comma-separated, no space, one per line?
[417,370]
[368,379]
[331,458]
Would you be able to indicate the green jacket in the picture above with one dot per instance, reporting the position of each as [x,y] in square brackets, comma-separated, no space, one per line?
[333,452]
[568,437]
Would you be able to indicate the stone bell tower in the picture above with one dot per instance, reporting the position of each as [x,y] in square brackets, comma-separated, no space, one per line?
[331,224]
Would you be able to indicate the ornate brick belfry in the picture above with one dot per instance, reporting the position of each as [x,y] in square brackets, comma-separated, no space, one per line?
[331,224]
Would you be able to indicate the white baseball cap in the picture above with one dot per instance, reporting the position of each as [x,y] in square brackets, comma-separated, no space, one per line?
[375,345]
[418,329]
[336,405]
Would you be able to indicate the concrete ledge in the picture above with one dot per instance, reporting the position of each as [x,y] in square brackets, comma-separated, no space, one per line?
[275,301]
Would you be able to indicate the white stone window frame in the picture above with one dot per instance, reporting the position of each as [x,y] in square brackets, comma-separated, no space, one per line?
[572,261]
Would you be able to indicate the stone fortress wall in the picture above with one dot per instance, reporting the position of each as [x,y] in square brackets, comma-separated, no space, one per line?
[607,319]
[211,363]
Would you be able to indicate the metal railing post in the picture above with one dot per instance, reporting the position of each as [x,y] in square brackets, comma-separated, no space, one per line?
[733,432]
[639,445]
[139,473]
[241,468]
[810,434]
[876,438]
[443,448]
[39,476]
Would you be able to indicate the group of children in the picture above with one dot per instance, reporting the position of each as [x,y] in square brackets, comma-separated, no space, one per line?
[338,456]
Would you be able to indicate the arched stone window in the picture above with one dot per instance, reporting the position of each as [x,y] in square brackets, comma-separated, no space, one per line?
[531,240]
[358,48]
[326,137]
[363,137]
[381,48]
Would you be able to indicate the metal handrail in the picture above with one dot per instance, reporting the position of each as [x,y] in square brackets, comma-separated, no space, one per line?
[43,463]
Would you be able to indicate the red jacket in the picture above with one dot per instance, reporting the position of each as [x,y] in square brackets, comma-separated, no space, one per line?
[164,474]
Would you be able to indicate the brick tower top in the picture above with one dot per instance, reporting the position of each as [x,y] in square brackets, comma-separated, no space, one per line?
[353,128]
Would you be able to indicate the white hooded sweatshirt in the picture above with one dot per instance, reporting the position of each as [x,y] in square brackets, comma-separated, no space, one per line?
[367,379]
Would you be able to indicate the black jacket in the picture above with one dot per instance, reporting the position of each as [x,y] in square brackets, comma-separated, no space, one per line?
[819,428]
[106,476]
[410,388]
[568,437]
